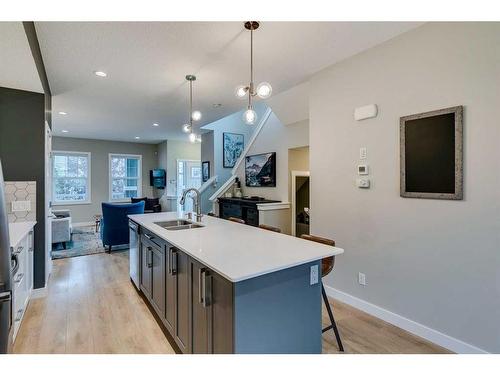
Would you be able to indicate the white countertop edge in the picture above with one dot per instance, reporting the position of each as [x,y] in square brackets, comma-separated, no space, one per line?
[18,230]
[159,231]
[273,206]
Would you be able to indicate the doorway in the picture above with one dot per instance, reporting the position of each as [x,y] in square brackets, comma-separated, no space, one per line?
[188,176]
[300,203]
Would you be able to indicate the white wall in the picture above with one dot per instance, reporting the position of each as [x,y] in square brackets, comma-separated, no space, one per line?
[279,138]
[435,262]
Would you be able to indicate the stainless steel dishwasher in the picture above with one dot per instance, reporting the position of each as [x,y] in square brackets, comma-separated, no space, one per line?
[134,253]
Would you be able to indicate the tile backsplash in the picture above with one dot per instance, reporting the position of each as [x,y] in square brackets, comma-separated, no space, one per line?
[23,192]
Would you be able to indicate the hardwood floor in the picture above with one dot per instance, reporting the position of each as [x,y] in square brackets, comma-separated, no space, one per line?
[92,307]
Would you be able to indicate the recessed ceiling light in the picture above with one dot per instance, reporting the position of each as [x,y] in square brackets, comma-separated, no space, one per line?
[64,131]
[217,105]
[100,73]
[137,137]
[156,124]
[63,113]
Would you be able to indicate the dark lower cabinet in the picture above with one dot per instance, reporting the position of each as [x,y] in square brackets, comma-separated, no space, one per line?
[158,280]
[182,301]
[194,303]
[146,254]
[211,311]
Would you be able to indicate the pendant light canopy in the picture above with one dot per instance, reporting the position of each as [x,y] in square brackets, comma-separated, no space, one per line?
[263,89]
[193,115]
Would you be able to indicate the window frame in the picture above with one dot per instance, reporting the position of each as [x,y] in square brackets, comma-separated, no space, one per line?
[110,176]
[89,177]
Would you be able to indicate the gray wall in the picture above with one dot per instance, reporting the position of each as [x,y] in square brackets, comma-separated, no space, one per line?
[435,262]
[22,152]
[100,151]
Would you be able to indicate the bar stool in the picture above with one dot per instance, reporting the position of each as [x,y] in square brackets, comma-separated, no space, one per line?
[269,227]
[237,220]
[326,267]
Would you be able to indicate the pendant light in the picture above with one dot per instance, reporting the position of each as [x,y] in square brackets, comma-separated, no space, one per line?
[193,115]
[263,90]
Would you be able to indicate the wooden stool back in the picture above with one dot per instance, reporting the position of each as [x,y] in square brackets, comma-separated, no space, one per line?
[237,220]
[269,227]
[327,263]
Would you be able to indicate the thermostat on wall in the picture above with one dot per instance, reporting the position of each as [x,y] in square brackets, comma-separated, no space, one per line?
[367,111]
[362,169]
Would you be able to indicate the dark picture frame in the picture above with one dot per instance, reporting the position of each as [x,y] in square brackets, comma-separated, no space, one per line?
[233,145]
[260,170]
[205,171]
[431,154]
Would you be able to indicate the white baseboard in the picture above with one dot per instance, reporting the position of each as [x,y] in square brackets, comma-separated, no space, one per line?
[83,224]
[436,337]
[39,292]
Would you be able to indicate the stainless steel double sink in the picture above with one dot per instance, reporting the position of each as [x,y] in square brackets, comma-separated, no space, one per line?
[179,224]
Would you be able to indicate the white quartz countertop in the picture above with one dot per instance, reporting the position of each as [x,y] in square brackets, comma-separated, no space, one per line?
[18,230]
[237,251]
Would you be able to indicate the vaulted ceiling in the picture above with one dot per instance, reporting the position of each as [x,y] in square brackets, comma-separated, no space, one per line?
[146,63]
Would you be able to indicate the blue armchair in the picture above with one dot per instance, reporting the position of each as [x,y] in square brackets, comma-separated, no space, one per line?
[114,222]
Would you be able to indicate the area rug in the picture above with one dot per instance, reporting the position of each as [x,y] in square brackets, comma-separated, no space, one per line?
[84,241]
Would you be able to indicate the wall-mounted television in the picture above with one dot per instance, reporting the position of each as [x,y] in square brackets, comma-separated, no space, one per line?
[260,170]
[431,154]
[158,178]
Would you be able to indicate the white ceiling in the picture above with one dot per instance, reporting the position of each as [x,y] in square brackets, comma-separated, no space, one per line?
[146,63]
[17,67]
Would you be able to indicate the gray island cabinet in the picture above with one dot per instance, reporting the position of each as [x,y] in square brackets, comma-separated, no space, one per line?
[208,311]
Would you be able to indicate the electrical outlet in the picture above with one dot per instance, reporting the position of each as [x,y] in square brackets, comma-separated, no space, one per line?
[361,279]
[314,275]
[18,206]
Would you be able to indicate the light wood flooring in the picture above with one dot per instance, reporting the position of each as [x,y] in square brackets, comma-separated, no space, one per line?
[92,307]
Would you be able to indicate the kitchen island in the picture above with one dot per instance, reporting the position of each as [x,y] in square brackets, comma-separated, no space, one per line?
[225,287]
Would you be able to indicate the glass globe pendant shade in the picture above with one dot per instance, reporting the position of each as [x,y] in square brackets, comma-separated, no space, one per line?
[249,116]
[192,137]
[186,128]
[264,90]
[196,115]
[241,91]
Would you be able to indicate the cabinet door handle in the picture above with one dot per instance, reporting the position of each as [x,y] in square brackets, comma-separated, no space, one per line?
[201,273]
[150,256]
[19,278]
[148,236]
[19,315]
[169,260]
[174,262]
[207,289]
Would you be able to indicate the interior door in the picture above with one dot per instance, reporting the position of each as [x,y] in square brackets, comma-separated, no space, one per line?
[48,202]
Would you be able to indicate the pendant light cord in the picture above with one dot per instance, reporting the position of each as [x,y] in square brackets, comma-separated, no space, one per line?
[250,90]
[191,105]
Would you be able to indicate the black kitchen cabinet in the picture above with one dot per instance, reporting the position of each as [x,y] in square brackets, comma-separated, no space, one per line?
[158,280]
[146,281]
[182,301]
[211,311]
[242,208]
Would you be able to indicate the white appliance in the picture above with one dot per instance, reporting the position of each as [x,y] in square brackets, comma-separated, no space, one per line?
[134,253]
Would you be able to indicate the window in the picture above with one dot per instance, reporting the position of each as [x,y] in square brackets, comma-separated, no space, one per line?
[70,177]
[125,179]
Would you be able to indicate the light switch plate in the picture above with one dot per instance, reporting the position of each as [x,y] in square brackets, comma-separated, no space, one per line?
[314,275]
[363,183]
[18,206]
[362,153]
